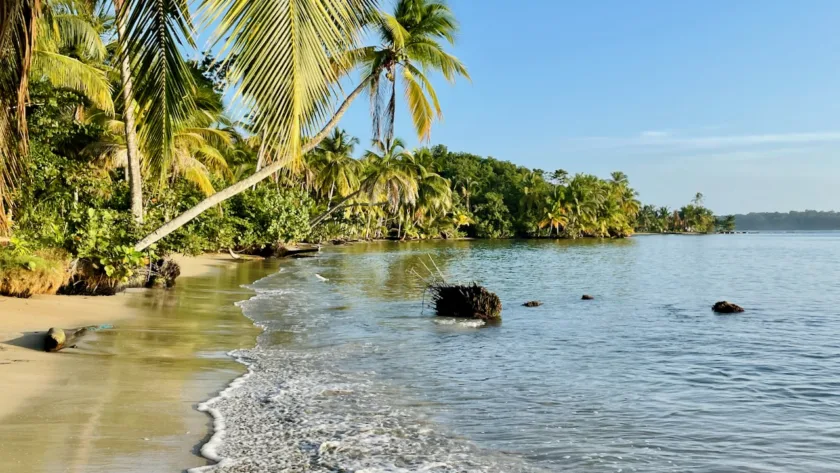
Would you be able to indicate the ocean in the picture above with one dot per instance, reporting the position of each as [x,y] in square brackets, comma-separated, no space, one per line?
[355,373]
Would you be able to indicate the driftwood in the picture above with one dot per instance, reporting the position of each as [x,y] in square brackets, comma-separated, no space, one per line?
[284,252]
[466,301]
[532,304]
[58,339]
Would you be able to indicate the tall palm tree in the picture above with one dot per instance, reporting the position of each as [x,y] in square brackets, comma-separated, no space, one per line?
[410,47]
[336,170]
[18,27]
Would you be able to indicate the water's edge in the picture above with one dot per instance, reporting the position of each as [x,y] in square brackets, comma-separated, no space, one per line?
[209,449]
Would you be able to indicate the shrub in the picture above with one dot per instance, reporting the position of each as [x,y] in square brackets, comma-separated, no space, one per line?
[267,216]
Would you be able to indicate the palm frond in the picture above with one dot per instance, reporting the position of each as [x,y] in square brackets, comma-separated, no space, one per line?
[421,111]
[393,32]
[155,34]
[73,31]
[65,72]
[286,53]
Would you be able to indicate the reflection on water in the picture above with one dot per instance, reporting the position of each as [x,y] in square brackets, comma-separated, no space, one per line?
[644,378]
[129,405]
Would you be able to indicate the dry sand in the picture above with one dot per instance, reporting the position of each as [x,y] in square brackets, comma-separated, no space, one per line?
[122,387]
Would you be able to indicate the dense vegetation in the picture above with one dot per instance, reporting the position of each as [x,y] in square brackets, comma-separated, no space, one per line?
[694,217]
[807,220]
[114,150]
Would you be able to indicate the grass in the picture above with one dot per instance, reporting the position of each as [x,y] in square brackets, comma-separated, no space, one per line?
[24,275]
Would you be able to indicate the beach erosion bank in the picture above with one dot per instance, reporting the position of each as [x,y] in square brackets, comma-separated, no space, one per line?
[125,399]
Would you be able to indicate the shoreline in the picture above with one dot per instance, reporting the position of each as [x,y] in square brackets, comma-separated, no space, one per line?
[160,358]
[24,321]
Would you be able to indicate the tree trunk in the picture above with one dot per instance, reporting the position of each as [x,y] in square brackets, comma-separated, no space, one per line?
[244,184]
[329,198]
[135,180]
[260,156]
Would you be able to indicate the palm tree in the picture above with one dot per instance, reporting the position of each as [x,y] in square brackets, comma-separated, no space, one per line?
[556,214]
[336,170]
[387,178]
[18,19]
[434,197]
[135,180]
[156,82]
[410,48]
[468,187]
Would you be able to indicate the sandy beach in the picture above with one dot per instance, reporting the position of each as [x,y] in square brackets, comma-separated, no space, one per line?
[124,399]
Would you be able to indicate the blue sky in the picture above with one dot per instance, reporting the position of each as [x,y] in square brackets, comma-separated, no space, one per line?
[739,100]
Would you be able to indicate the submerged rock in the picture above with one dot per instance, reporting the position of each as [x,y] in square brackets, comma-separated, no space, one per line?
[587,297]
[466,301]
[726,307]
[532,304]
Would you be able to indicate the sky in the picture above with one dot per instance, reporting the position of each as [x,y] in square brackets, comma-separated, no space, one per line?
[739,100]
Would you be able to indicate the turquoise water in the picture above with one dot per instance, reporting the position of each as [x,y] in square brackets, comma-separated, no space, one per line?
[354,374]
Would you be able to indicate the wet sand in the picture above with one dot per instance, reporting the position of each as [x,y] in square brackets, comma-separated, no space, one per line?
[124,400]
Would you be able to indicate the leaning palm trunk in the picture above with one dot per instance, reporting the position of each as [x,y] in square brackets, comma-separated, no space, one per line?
[252,180]
[135,180]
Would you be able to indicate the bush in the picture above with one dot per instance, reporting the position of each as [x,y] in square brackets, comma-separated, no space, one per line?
[24,274]
[267,216]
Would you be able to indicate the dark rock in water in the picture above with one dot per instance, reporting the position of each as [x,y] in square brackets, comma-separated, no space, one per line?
[725,307]
[532,304]
[466,301]
[587,297]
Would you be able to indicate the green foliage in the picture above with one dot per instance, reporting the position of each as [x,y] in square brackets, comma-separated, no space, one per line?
[494,219]
[268,216]
[726,224]
[691,218]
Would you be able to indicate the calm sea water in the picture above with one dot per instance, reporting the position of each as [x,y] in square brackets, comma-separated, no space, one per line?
[354,375]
